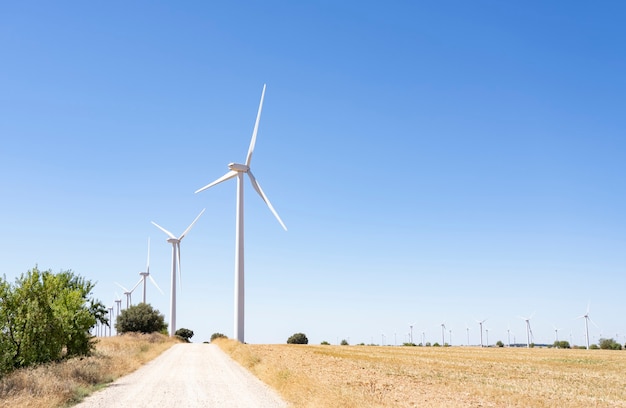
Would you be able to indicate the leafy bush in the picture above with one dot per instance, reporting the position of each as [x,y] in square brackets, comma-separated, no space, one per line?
[298,338]
[499,343]
[594,347]
[609,344]
[562,344]
[325,343]
[344,342]
[184,334]
[45,317]
[218,336]
[409,344]
[140,318]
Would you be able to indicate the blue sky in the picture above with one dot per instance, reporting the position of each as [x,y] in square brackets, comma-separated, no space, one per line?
[433,162]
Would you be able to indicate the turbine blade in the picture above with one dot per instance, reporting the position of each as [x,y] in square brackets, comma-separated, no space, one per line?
[594,323]
[137,284]
[225,177]
[190,225]
[258,189]
[155,284]
[169,234]
[256,129]
[125,290]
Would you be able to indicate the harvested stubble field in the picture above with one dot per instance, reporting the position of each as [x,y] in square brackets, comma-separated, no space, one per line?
[359,376]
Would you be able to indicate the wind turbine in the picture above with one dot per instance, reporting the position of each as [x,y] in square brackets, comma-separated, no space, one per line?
[238,170]
[556,334]
[467,329]
[587,320]
[146,274]
[128,293]
[529,332]
[443,334]
[411,332]
[175,262]
[481,330]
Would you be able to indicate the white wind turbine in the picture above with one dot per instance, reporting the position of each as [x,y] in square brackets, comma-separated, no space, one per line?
[480,322]
[146,274]
[128,293]
[443,334]
[238,170]
[529,332]
[556,333]
[587,320]
[175,262]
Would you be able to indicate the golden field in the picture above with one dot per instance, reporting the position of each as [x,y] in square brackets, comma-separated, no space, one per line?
[61,384]
[371,376]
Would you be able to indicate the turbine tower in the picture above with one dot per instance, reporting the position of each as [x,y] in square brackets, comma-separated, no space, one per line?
[146,274]
[175,262]
[238,170]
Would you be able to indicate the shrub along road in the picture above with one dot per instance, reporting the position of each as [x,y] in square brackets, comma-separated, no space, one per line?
[189,375]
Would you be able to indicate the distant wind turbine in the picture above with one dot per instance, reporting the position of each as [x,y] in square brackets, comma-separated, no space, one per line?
[175,262]
[556,333]
[480,323]
[128,293]
[238,170]
[411,332]
[443,334]
[529,332]
[146,274]
[467,329]
[587,320]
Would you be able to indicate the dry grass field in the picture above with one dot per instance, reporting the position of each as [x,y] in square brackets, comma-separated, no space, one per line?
[368,376]
[61,384]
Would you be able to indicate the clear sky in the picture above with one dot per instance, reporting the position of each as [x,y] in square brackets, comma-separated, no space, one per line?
[434,162]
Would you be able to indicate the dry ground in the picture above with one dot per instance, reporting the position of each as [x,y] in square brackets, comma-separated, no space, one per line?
[67,382]
[358,376]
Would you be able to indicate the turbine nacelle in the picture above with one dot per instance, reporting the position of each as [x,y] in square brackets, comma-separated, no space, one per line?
[241,168]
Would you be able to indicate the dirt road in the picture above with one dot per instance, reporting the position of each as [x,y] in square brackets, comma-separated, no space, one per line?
[187,375]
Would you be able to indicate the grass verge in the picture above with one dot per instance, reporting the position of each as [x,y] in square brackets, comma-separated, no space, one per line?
[68,382]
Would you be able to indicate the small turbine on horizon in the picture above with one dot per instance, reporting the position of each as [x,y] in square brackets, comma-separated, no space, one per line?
[529,332]
[587,320]
[480,323]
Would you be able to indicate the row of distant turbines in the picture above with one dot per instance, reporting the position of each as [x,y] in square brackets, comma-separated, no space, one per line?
[529,332]
[235,170]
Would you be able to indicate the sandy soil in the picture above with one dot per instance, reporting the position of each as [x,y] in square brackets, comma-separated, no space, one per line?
[189,375]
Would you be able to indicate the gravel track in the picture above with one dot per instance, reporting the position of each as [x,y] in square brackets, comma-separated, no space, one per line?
[187,375]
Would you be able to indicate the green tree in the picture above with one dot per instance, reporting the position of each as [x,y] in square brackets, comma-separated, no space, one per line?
[562,344]
[499,343]
[45,317]
[298,338]
[140,318]
[218,336]
[184,334]
[609,344]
